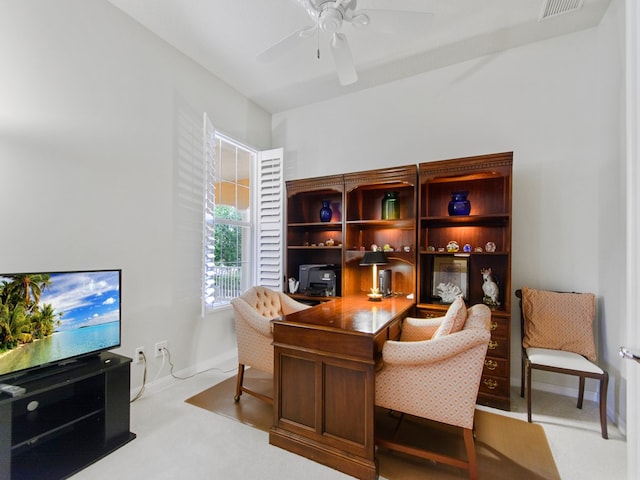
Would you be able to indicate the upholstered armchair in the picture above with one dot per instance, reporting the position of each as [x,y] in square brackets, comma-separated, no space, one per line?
[434,372]
[253,312]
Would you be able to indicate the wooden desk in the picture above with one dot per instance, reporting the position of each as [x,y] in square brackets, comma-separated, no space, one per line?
[324,374]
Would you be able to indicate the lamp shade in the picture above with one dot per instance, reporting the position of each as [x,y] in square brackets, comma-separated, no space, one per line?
[374,258]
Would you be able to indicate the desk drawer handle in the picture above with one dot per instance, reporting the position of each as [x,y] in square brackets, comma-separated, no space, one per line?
[494,325]
[493,344]
[491,364]
[490,384]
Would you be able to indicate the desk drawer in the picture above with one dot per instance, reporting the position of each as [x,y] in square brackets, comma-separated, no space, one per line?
[497,367]
[494,385]
[428,313]
[499,327]
[498,347]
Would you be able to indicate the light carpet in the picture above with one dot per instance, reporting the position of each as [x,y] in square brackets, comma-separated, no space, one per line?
[507,448]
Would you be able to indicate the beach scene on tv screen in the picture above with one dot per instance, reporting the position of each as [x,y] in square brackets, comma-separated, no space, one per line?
[49,317]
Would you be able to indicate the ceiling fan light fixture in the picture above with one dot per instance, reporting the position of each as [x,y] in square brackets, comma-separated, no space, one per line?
[330,19]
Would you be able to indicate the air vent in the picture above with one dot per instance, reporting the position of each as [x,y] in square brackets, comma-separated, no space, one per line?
[552,8]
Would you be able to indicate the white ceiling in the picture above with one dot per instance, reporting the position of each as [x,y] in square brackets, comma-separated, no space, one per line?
[225,36]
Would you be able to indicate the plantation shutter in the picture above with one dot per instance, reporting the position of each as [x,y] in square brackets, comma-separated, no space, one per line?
[270,211]
[209,192]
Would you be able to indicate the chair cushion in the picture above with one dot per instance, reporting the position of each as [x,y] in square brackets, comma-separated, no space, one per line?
[561,359]
[454,319]
[559,321]
[418,329]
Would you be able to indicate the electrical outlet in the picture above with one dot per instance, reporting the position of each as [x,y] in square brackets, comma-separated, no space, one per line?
[139,355]
[160,347]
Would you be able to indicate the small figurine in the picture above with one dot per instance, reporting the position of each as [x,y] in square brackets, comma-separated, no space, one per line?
[452,246]
[448,292]
[489,287]
[293,285]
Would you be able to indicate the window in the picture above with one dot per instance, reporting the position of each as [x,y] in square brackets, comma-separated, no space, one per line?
[242,220]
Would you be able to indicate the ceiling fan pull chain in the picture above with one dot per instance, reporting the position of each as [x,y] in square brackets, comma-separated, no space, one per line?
[318,39]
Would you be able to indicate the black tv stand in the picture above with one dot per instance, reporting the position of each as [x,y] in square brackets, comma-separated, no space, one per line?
[66,419]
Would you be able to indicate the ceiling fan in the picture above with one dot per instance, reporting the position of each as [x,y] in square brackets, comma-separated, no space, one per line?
[329,16]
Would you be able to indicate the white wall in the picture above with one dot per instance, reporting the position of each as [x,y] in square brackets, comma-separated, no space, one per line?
[100,148]
[556,105]
[100,133]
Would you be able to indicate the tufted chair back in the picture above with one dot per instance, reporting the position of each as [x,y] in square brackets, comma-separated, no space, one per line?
[268,303]
[253,312]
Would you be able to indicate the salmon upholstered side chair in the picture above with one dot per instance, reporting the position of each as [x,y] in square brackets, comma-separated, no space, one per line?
[253,312]
[558,336]
[434,372]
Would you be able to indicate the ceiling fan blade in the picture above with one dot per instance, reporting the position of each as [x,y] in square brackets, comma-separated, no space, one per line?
[286,44]
[343,59]
[396,21]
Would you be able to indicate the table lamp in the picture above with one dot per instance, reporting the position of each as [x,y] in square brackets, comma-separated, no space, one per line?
[374,258]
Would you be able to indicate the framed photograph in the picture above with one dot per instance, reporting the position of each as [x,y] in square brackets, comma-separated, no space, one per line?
[450,278]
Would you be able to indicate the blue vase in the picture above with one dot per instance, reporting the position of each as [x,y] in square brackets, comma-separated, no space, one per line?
[459,205]
[325,212]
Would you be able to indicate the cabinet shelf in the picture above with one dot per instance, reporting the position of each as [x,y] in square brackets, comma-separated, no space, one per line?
[401,255]
[311,247]
[491,220]
[465,254]
[49,422]
[409,224]
[317,225]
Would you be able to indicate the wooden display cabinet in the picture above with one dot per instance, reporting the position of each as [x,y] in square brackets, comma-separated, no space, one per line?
[364,226]
[423,227]
[487,178]
[309,240]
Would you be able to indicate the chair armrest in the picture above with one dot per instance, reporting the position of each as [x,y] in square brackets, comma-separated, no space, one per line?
[430,351]
[289,305]
[416,329]
[256,321]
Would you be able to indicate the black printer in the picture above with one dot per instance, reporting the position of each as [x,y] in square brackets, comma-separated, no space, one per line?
[319,280]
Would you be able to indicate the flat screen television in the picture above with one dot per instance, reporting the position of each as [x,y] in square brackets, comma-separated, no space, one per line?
[56,318]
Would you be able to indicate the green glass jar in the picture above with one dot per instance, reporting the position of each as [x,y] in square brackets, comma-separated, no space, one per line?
[390,206]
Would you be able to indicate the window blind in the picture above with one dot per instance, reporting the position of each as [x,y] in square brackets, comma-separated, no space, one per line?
[270,210]
[209,197]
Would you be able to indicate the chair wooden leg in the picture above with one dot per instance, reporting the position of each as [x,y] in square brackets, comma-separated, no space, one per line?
[471,453]
[522,376]
[528,389]
[397,429]
[470,464]
[604,384]
[239,380]
[580,391]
